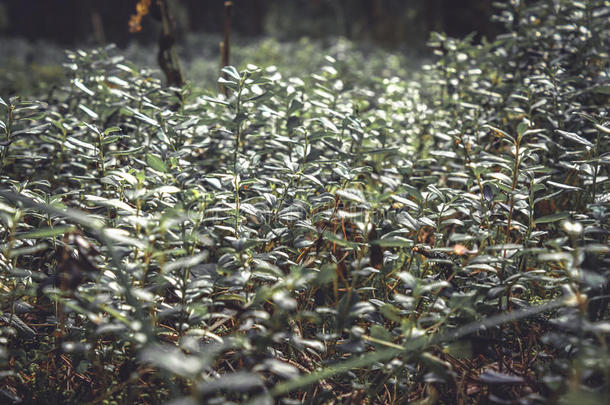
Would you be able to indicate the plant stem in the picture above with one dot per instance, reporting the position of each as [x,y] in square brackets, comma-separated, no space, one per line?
[512,190]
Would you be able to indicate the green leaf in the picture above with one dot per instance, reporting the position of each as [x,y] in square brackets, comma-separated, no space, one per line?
[111,130]
[500,133]
[117,81]
[231,297]
[396,241]
[380,333]
[232,73]
[326,123]
[500,176]
[563,186]
[112,139]
[521,128]
[605,89]
[239,381]
[45,232]
[186,262]
[575,138]
[552,218]
[121,236]
[78,83]
[215,100]
[145,118]
[173,360]
[331,237]
[39,129]
[326,274]
[380,151]
[110,203]
[405,201]
[295,105]
[166,190]
[603,128]
[229,83]
[72,214]
[156,163]
[352,195]
[89,112]
[127,151]
[128,177]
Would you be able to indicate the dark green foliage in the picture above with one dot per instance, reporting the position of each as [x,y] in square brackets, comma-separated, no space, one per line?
[342,235]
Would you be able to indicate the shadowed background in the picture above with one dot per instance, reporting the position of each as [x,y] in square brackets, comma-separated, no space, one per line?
[391,22]
[288,34]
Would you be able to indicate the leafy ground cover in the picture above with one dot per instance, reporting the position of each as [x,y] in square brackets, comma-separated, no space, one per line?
[31,69]
[354,235]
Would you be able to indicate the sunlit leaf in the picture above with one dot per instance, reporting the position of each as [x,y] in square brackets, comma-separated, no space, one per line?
[156,163]
[575,138]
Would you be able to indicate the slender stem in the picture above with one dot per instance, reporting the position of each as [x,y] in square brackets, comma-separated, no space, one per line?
[238,129]
[100,137]
[236,185]
[512,189]
[226,50]
[595,167]
[236,148]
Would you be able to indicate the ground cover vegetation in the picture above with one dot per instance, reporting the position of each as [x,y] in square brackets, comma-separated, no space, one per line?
[357,234]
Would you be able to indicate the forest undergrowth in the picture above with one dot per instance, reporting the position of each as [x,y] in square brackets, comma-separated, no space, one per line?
[357,234]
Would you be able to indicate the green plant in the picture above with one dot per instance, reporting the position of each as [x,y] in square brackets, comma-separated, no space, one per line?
[436,236]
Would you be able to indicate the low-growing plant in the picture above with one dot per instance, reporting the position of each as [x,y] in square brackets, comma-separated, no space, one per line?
[340,237]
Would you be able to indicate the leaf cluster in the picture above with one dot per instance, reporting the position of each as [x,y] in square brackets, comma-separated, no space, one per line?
[330,238]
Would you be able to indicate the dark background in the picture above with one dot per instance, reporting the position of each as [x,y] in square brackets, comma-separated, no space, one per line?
[390,22]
